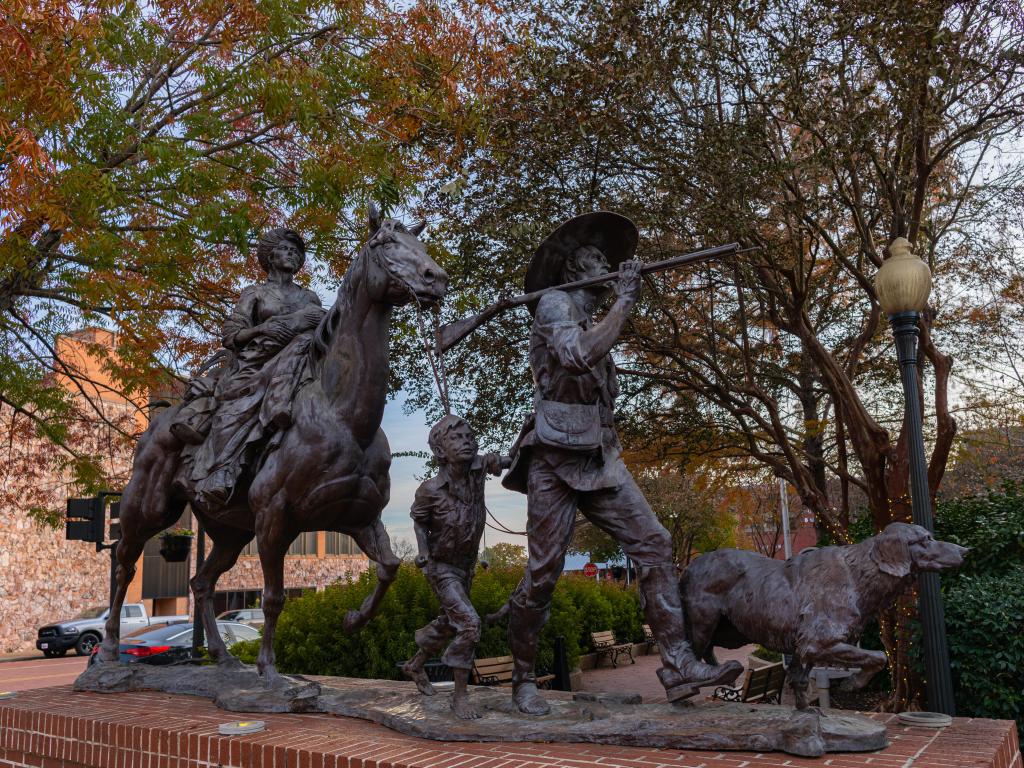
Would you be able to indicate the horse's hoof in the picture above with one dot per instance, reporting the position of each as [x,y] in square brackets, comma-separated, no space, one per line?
[271,679]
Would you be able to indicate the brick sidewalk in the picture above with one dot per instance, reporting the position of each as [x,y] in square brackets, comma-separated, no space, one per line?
[58,728]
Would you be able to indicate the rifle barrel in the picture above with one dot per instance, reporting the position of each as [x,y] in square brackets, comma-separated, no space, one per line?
[452,333]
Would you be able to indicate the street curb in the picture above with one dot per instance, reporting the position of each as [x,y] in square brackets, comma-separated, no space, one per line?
[39,657]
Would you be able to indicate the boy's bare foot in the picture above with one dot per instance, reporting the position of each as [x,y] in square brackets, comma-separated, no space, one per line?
[415,673]
[463,709]
[529,701]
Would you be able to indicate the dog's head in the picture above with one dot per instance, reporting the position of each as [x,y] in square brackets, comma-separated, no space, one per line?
[903,549]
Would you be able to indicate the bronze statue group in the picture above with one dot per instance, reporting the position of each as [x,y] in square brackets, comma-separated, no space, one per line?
[281,434]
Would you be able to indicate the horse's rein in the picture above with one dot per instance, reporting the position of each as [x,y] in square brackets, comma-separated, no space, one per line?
[436,364]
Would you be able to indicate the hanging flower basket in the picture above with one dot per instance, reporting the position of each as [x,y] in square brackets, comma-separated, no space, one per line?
[175,545]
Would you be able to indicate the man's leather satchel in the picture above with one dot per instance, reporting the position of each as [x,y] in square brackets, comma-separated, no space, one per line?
[568,425]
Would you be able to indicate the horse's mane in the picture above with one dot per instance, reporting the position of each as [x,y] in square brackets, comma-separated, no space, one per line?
[329,323]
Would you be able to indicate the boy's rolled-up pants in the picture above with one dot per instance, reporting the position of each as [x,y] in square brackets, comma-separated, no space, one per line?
[457,618]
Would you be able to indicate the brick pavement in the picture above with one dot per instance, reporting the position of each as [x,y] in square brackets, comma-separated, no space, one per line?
[58,728]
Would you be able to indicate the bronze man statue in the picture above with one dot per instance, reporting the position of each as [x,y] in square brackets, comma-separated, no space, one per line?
[449,516]
[568,456]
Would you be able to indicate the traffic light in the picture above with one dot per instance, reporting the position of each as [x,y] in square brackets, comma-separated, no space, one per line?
[86,519]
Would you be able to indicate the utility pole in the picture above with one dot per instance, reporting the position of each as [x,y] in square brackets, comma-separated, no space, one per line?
[787,546]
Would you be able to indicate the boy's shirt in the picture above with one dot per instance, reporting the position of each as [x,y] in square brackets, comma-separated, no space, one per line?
[453,516]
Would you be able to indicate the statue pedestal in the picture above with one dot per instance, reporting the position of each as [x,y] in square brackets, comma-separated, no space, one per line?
[612,720]
[61,727]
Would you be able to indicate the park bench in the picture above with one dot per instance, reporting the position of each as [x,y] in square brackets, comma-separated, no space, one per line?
[649,637]
[497,670]
[762,684]
[605,646]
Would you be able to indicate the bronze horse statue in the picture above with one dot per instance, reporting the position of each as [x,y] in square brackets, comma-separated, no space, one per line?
[329,470]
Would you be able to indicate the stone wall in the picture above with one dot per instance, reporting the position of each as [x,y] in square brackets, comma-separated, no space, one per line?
[44,578]
[299,571]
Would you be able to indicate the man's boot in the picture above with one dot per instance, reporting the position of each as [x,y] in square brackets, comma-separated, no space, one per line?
[524,627]
[692,674]
[683,674]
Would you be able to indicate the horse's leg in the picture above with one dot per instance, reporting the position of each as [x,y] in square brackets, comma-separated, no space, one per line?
[273,544]
[227,545]
[374,541]
[136,529]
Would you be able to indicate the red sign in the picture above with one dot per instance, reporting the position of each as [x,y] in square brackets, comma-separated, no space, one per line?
[590,570]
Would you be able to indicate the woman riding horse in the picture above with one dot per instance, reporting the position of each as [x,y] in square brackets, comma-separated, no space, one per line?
[268,333]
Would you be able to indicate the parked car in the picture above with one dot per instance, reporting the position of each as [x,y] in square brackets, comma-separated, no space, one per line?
[251,616]
[172,643]
[86,629]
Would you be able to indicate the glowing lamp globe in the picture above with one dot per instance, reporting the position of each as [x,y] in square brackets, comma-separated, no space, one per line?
[904,282]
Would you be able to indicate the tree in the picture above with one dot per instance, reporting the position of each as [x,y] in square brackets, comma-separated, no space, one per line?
[684,504]
[145,146]
[757,509]
[404,550]
[815,131]
[505,555]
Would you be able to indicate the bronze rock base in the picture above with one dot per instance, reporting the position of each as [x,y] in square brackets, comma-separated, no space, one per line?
[587,718]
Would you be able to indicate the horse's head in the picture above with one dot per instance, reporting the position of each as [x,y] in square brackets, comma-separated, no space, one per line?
[398,268]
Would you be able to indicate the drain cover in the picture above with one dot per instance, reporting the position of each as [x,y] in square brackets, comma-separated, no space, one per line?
[242,727]
[927,719]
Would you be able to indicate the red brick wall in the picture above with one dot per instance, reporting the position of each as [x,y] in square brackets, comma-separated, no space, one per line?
[57,728]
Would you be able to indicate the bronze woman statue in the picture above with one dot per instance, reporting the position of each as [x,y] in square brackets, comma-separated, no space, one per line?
[267,335]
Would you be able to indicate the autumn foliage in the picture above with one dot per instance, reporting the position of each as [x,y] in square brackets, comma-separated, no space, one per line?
[146,145]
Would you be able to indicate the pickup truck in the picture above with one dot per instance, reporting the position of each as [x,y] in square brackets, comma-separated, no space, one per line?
[85,630]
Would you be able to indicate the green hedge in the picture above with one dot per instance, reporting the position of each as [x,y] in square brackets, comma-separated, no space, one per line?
[985,628]
[984,602]
[310,640]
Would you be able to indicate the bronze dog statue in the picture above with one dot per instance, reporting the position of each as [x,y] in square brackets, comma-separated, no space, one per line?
[813,606]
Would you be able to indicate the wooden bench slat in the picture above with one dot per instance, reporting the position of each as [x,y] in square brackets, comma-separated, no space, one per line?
[497,670]
[761,684]
[605,644]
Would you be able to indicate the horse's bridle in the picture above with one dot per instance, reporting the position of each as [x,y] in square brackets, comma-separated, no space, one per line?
[382,262]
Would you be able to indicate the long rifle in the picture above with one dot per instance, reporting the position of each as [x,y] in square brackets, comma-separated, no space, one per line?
[452,333]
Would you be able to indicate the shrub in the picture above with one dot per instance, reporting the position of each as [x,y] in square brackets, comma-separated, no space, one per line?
[310,639]
[984,617]
[627,620]
[766,654]
[595,610]
[991,525]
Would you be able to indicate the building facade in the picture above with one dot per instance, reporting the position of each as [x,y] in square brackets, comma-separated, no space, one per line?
[45,578]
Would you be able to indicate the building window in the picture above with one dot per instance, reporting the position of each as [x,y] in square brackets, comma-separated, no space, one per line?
[340,544]
[304,544]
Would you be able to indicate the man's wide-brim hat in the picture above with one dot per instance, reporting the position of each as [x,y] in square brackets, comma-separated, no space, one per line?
[611,233]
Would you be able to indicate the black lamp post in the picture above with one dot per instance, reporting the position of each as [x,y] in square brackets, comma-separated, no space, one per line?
[903,284]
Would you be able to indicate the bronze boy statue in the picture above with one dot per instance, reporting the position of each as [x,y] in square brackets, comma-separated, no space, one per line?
[449,516]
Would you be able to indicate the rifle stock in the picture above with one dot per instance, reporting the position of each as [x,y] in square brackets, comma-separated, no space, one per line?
[450,334]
